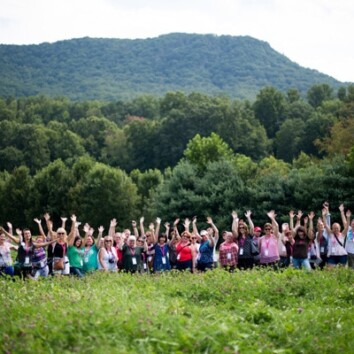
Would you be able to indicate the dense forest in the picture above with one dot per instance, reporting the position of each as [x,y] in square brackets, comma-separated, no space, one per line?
[112,69]
[176,155]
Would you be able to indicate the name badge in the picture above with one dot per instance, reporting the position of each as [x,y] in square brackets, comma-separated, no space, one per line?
[86,259]
[266,253]
[134,261]
[81,262]
[283,249]
[145,266]
[27,260]
[241,251]
[163,260]
[178,257]
[322,249]
[149,258]
[41,264]
[229,256]
[333,249]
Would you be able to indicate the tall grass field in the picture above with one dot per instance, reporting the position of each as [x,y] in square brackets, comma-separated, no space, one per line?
[258,311]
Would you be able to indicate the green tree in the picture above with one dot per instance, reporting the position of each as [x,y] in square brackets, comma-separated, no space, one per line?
[269,108]
[319,93]
[288,139]
[16,194]
[51,190]
[201,151]
[147,183]
[107,193]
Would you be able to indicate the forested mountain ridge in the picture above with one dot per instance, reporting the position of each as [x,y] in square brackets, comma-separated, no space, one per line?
[112,69]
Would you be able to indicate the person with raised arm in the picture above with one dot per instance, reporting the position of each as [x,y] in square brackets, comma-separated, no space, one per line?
[6,264]
[228,252]
[186,255]
[91,249]
[268,244]
[23,263]
[132,254]
[284,245]
[27,253]
[175,238]
[206,250]
[39,257]
[150,240]
[162,256]
[243,234]
[301,241]
[336,239]
[75,249]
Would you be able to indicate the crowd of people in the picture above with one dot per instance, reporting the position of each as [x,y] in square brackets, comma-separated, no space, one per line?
[298,243]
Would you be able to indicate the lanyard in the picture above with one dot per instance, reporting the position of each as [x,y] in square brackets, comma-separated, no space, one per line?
[162,250]
[267,240]
[132,251]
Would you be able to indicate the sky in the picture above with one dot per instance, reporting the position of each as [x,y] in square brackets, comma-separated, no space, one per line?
[316,34]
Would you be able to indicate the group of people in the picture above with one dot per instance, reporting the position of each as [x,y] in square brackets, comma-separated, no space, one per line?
[298,244]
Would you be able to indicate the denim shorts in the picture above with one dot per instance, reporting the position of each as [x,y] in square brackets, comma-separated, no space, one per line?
[337,260]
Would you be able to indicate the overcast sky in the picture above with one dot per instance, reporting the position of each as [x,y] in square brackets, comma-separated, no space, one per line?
[317,34]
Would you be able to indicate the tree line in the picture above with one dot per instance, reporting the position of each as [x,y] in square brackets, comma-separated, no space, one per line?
[179,155]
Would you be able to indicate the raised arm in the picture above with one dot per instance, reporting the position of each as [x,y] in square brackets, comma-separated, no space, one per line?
[186,224]
[291,220]
[100,234]
[298,219]
[324,218]
[72,233]
[342,215]
[311,231]
[112,227]
[142,230]
[271,214]
[195,228]
[40,228]
[347,222]
[213,240]
[152,231]
[157,232]
[63,222]
[135,229]
[167,231]
[10,236]
[49,224]
[234,227]
[175,229]
[250,222]
[10,227]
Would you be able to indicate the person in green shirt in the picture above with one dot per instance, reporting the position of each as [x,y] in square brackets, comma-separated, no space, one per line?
[76,255]
[91,248]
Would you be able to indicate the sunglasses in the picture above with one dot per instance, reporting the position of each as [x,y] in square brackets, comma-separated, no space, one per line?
[108,241]
[268,229]
[61,233]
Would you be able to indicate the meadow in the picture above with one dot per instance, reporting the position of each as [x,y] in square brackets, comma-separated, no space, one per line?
[258,311]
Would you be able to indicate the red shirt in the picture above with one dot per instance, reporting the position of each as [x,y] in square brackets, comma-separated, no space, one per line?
[184,252]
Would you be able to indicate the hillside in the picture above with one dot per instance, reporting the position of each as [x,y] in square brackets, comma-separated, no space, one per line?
[89,68]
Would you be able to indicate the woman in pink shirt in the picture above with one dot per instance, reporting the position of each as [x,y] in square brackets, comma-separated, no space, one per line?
[268,244]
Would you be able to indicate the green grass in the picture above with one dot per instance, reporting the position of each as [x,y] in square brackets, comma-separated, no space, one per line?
[218,312]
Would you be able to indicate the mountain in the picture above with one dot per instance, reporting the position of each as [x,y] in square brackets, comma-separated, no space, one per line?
[89,68]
